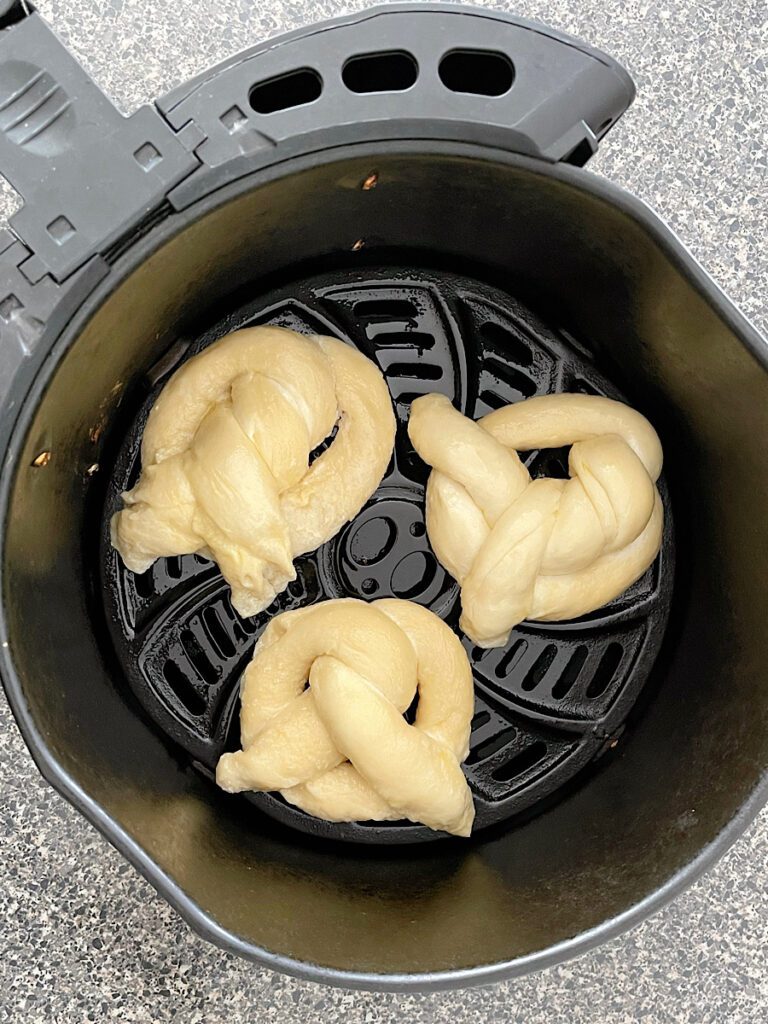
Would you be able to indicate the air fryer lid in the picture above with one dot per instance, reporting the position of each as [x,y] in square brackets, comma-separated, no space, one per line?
[249,225]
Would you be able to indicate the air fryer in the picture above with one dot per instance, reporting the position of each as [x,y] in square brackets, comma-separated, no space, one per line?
[408,179]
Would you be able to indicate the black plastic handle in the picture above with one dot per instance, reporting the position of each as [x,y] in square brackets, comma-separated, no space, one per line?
[86,175]
[84,171]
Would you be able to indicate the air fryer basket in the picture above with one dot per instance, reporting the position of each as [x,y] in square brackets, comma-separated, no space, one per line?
[415,194]
[550,702]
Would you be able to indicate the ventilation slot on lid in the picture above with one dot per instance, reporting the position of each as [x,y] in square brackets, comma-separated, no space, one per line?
[482,72]
[294,89]
[394,71]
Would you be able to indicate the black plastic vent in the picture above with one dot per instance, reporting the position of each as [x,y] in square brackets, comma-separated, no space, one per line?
[393,71]
[292,90]
[546,704]
[482,72]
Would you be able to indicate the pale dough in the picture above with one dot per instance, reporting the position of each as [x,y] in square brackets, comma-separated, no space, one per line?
[341,749]
[539,549]
[225,457]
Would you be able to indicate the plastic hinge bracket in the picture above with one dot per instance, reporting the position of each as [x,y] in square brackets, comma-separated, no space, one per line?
[24,307]
[86,173]
[29,309]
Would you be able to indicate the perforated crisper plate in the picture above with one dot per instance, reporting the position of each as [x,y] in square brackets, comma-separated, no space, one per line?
[547,704]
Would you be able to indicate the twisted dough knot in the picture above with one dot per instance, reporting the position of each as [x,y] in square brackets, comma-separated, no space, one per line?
[539,549]
[341,749]
[225,456]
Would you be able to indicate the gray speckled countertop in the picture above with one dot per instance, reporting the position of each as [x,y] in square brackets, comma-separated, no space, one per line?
[83,937]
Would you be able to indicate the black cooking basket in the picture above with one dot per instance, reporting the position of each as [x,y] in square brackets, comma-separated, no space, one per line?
[408,179]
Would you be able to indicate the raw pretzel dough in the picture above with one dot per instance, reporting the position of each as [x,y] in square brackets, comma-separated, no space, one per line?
[341,749]
[225,454]
[539,549]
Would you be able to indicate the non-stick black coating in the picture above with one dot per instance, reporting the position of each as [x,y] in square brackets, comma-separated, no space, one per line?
[548,703]
[681,783]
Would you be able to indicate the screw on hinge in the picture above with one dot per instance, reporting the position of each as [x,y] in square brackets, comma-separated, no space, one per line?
[371,181]
[41,460]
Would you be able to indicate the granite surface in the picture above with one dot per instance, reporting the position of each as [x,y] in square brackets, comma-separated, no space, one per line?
[83,937]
